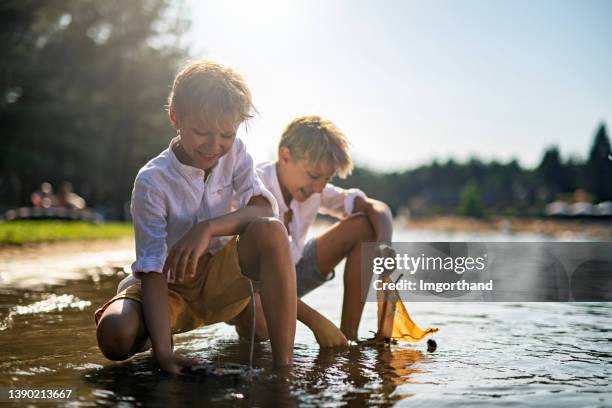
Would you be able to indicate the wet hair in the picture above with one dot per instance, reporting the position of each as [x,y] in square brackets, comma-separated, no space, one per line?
[208,90]
[319,141]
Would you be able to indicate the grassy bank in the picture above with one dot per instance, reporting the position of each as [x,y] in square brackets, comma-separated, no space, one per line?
[24,232]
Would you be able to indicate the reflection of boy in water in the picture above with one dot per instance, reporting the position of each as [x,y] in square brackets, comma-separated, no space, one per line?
[364,373]
[311,151]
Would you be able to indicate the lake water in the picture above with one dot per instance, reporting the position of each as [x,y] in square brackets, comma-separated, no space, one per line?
[500,354]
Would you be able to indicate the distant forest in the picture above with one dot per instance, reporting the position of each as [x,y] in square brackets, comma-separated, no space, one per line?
[476,188]
[83,86]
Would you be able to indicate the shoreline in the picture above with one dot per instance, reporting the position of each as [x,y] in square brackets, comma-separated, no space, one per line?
[53,248]
[565,229]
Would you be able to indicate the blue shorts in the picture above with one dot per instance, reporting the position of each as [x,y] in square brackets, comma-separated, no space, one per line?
[308,275]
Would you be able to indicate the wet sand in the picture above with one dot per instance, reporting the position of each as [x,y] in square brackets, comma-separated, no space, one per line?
[37,265]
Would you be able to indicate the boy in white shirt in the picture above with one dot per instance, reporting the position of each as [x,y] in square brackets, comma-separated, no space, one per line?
[311,151]
[189,271]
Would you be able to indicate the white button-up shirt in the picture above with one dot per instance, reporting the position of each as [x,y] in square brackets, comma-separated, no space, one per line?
[334,201]
[169,198]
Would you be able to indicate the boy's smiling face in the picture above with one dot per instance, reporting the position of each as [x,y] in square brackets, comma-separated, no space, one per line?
[203,143]
[300,178]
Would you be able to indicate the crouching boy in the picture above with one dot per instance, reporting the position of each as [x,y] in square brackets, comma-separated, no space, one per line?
[194,255]
[311,151]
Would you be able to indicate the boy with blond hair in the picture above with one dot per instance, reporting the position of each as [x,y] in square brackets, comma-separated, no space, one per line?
[195,253]
[311,151]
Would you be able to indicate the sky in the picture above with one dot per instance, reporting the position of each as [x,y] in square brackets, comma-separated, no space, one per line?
[410,81]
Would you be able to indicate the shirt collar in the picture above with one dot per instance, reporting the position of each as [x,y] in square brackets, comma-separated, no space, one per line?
[276,188]
[188,171]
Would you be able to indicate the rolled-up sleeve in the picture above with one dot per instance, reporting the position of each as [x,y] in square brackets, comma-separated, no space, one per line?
[245,181]
[149,218]
[337,201]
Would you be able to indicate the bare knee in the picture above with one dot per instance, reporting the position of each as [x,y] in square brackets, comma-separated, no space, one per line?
[271,235]
[116,337]
[359,227]
[264,249]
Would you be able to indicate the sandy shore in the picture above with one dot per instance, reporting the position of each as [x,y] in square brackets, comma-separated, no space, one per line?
[557,228]
[55,263]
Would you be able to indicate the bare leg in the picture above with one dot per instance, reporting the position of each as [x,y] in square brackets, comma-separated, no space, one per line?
[121,332]
[265,256]
[326,333]
[244,322]
[341,240]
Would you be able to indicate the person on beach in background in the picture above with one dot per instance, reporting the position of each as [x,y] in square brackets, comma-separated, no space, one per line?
[45,197]
[311,151]
[195,253]
[67,198]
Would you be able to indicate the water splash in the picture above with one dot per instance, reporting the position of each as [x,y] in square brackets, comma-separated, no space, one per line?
[52,303]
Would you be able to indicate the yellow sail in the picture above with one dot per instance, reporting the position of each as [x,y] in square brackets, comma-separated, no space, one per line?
[394,322]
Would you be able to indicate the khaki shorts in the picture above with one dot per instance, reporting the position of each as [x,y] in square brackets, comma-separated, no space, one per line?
[218,292]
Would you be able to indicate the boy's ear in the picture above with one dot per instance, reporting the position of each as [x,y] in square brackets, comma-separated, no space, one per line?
[173,120]
[284,154]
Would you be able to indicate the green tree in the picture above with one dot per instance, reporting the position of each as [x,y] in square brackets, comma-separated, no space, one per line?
[599,166]
[83,93]
[471,202]
[551,174]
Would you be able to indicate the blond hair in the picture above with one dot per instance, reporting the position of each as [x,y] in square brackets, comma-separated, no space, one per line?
[210,90]
[319,141]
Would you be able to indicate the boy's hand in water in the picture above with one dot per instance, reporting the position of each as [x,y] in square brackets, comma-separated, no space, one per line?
[175,363]
[182,260]
[327,334]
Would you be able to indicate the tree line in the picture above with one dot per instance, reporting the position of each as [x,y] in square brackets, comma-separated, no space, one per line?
[478,188]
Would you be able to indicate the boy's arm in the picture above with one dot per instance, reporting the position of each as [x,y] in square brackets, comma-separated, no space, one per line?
[340,202]
[157,319]
[326,333]
[380,217]
[183,256]
[234,223]
[148,213]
